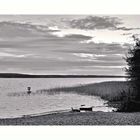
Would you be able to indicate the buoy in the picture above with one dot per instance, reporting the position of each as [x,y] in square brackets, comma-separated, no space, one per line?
[28,90]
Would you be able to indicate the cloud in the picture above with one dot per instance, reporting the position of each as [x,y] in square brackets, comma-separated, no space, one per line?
[109,67]
[99,22]
[89,55]
[53,28]
[22,30]
[95,22]
[39,50]
[97,36]
[4,55]
[78,36]
[104,58]
[127,29]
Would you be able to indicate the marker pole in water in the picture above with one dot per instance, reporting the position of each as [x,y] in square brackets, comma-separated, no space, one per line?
[29,90]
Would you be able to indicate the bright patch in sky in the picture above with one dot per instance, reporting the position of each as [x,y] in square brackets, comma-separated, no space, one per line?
[97,36]
[4,55]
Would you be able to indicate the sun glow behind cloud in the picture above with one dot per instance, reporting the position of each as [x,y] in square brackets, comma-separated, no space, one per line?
[98,36]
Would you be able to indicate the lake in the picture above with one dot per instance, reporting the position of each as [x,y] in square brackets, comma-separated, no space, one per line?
[23,104]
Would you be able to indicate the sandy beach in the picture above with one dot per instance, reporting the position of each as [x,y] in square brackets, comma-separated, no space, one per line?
[77,118]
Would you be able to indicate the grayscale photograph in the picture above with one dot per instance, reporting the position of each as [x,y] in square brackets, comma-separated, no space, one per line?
[69,69]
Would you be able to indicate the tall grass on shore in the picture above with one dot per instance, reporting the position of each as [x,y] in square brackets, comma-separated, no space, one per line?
[111,91]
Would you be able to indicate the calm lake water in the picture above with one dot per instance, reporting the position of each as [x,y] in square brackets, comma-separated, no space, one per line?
[16,106]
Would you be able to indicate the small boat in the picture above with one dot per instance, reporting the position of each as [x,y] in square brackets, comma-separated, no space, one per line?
[85,108]
[75,110]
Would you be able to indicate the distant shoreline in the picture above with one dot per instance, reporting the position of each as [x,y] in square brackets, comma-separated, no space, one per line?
[19,75]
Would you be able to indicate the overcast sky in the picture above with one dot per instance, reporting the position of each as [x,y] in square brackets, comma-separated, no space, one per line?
[66,44]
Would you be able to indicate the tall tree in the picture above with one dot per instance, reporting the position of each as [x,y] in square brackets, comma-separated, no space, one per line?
[133,70]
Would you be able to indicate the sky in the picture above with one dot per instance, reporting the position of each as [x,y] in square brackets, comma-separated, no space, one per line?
[66,44]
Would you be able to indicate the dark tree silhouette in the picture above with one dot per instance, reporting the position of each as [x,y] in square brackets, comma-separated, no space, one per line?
[133,70]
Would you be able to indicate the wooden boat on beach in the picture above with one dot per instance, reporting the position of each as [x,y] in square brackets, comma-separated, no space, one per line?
[75,110]
[82,108]
[85,108]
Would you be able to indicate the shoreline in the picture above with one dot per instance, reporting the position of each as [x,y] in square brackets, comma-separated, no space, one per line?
[77,118]
[37,114]
[23,75]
